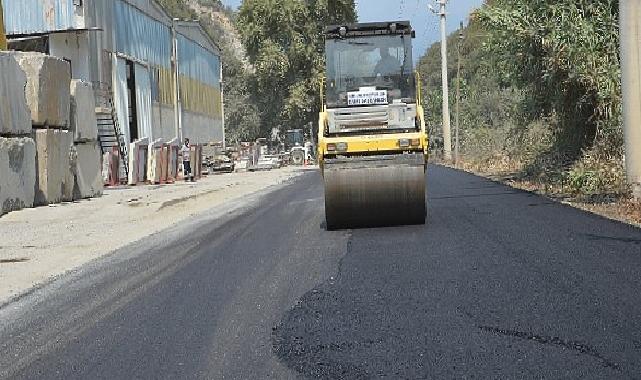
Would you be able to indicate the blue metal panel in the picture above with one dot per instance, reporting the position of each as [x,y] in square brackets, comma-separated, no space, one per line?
[38,16]
[198,63]
[140,36]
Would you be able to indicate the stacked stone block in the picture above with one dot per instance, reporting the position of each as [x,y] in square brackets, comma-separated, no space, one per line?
[54,177]
[47,89]
[86,156]
[48,98]
[17,148]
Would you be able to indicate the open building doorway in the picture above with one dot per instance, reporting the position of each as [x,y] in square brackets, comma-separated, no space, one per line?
[131,100]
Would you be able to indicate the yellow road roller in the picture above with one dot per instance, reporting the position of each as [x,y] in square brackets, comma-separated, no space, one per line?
[372,140]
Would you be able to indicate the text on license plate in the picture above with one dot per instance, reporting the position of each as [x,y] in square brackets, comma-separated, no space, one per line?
[364,98]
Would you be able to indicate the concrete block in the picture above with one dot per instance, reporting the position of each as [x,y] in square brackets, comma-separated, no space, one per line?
[83,112]
[15,116]
[87,170]
[47,91]
[17,173]
[54,176]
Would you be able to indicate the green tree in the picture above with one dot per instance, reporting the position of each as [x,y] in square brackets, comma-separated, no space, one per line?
[284,41]
[541,89]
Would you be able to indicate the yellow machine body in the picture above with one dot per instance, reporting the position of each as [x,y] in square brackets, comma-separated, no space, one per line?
[365,144]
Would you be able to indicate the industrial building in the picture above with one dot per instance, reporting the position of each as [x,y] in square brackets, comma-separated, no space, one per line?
[154,77]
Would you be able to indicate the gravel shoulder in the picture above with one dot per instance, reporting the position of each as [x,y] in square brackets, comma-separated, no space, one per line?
[41,243]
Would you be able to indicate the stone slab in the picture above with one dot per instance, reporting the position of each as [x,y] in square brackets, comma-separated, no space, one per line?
[83,112]
[17,173]
[138,161]
[154,161]
[48,89]
[54,176]
[15,119]
[87,170]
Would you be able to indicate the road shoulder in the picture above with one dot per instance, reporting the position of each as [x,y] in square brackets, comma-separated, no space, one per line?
[44,243]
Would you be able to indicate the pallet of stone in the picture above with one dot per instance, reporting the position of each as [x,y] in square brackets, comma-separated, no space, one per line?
[173,160]
[48,89]
[111,167]
[154,163]
[138,151]
[17,173]
[54,176]
[196,158]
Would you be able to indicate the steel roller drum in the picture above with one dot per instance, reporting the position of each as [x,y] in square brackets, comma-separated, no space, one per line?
[374,191]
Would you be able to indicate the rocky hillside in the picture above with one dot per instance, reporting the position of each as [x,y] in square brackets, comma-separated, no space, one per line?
[219,20]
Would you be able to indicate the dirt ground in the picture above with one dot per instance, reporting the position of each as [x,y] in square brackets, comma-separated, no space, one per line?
[40,243]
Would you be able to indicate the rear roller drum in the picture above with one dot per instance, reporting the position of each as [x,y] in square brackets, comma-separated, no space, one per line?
[375,191]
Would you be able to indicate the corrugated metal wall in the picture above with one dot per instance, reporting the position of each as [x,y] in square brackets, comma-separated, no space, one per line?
[199,78]
[198,63]
[140,36]
[37,16]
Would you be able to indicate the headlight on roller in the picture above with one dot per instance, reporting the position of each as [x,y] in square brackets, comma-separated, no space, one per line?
[331,147]
[341,147]
[404,143]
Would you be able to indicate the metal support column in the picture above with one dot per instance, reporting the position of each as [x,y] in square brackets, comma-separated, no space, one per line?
[176,79]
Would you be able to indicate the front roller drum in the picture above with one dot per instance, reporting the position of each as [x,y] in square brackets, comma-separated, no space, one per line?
[375,191]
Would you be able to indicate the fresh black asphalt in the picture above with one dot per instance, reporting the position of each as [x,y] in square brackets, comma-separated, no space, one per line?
[499,284]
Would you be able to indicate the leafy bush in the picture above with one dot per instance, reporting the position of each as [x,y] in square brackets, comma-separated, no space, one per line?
[540,87]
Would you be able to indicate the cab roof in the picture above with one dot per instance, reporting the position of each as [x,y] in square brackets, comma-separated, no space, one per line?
[369,29]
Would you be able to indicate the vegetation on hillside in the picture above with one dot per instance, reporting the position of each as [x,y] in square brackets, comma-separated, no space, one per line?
[541,92]
[284,41]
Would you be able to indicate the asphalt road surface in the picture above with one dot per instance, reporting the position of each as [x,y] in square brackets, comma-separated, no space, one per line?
[499,284]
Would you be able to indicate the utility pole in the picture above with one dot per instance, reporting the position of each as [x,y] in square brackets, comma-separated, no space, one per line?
[447,134]
[630,30]
[176,79]
[457,145]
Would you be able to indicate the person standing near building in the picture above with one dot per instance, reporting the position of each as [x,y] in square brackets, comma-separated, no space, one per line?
[186,156]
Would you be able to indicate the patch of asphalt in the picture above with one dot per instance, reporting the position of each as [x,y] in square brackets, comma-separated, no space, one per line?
[490,288]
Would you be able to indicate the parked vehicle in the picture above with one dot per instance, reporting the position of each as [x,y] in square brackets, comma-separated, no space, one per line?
[276,160]
[222,164]
[263,163]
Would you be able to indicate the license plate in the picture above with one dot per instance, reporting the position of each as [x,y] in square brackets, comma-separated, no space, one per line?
[367,98]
